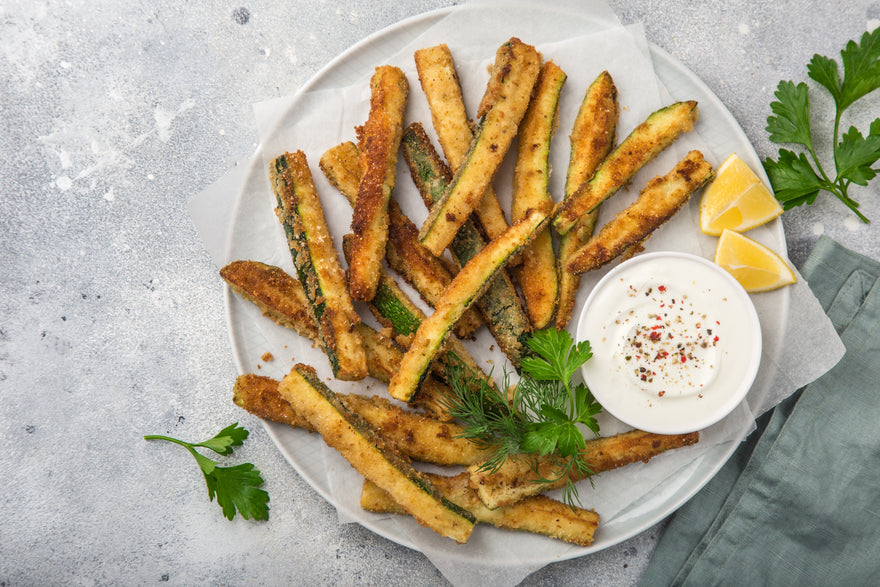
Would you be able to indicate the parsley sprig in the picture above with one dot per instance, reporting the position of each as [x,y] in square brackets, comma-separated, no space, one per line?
[237,487]
[797,179]
[541,416]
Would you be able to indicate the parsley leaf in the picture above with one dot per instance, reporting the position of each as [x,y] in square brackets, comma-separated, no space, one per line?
[793,179]
[236,488]
[861,68]
[223,441]
[856,154]
[798,179]
[544,414]
[792,121]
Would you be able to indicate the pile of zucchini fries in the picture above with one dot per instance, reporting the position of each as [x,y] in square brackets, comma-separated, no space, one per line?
[510,277]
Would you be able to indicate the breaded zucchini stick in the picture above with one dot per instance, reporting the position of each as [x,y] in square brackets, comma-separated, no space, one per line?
[393,308]
[404,253]
[467,286]
[500,303]
[592,138]
[317,265]
[642,145]
[281,298]
[439,81]
[371,456]
[508,94]
[517,477]
[415,436]
[661,198]
[531,177]
[379,142]
[538,514]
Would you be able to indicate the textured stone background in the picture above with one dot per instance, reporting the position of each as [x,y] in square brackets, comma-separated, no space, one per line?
[112,116]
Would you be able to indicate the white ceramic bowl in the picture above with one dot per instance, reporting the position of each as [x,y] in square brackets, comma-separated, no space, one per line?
[676,342]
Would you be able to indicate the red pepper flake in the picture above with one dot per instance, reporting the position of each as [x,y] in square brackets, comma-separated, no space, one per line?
[683,359]
[655,335]
[715,339]
[662,288]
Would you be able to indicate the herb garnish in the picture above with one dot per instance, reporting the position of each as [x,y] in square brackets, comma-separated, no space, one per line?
[235,487]
[795,180]
[541,414]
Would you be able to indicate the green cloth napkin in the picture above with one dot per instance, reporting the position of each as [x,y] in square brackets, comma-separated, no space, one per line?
[799,501]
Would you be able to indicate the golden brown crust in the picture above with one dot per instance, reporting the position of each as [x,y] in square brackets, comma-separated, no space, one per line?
[380,141]
[662,197]
[641,146]
[536,275]
[592,138]
[592,134]
[516,479]
[454,129]
[383,358]
[316,258]
[371,455]
[278,295]
[495,133]
[428,274]
[468,285]
[421,269]
[505,61]
[281,298]
[259,396]
[454,354]
[538,514]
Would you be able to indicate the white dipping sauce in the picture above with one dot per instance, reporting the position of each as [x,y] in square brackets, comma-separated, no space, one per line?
[676,342]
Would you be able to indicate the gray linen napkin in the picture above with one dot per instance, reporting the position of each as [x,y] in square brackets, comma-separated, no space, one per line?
[799,502]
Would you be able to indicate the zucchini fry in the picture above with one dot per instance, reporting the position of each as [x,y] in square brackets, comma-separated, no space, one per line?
[642,145]
[531,175]
[538,514]
[415,436]
[592,137]
[371,456]
[393,308]
[500,304]
[517,477]
[379,143]
[281,298]
[467,286]
[516,71]
[404,253]
[662,197]
[317,265]
[439,81]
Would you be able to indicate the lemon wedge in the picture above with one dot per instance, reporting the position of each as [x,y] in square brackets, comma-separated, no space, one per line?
[736,199]
[753,265]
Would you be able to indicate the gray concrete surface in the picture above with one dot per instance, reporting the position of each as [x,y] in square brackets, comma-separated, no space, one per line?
[112,116]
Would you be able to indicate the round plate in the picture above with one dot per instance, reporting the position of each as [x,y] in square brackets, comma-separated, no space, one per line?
[306,453]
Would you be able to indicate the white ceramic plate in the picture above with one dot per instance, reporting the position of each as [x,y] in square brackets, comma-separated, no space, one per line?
[722,135]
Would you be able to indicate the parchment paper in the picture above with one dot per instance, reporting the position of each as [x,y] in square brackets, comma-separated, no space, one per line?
[316,121]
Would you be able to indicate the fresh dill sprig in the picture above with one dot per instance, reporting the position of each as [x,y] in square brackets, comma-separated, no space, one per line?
[541,416]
